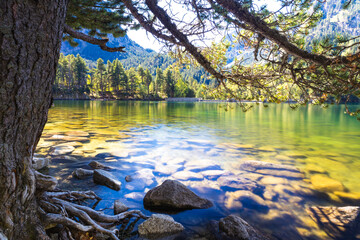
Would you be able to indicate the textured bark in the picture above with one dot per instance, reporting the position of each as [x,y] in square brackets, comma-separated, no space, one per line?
[30,40]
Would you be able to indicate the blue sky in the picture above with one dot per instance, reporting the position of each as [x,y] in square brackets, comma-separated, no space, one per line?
[146,40]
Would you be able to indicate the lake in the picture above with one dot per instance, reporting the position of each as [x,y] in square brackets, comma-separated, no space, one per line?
[205,146]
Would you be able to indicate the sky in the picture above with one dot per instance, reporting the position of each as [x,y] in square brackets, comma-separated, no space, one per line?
[146,40]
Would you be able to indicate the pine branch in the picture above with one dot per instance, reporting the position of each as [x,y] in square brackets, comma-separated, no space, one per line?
[261,27]
[92,40]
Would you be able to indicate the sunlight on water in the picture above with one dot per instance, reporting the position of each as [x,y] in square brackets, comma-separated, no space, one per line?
[212,151]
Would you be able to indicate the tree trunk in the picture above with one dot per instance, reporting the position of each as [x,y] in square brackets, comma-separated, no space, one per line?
[30,40]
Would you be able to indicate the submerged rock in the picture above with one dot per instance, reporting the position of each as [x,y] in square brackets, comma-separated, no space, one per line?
[237,228]
[140,180]
[337,222]
[173,195]
[128,178]
[244,198]
[349,196]
[61,150]
[107,179]
[159,225]
[40,162]
[312,168]
[325,184]
[253,165]
[82,173]
[273,169]
[76,139]
[119,207]
[77,133]
[188,175]
[237,182]
[97,165]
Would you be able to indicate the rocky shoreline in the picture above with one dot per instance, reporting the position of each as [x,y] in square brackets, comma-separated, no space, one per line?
[172,196]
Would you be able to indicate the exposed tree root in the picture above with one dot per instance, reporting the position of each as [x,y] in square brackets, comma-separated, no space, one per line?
[59,208]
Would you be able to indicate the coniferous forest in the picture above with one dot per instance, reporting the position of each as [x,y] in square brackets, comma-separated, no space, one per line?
[77,77]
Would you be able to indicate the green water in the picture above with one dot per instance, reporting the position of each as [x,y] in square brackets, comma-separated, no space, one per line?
[198,143]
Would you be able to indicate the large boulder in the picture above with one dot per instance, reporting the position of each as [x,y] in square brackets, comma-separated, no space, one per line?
[107,179]
[173,195]
[159,225]
[237,228]
[337,222]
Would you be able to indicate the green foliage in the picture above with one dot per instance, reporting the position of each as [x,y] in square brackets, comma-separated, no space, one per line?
[98,17]
[112,80]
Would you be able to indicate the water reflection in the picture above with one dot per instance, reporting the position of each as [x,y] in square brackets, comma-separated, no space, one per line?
[216,154]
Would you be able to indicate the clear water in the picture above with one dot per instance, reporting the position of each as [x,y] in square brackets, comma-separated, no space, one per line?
[197,143]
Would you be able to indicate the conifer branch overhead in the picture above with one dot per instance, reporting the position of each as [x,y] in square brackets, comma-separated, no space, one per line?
[96,41]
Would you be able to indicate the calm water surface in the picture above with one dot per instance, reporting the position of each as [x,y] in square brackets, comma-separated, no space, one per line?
[203,146]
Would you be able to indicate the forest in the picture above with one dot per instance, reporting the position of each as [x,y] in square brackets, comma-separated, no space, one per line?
[111,80]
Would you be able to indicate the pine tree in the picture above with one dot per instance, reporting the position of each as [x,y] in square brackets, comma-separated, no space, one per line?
[148,80]
[169,87]
[141,73]
[133,81]
[100,74]
[123,79]
[80,71]
[115,80]
[159,81]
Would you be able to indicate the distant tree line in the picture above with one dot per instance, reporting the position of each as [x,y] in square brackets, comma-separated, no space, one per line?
[112,80]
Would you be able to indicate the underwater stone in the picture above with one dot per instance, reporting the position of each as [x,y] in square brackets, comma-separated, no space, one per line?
[323,183]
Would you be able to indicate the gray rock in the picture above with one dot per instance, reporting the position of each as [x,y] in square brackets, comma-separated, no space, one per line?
[97,165]
[107,179]
[81,173]
[173,195]
[237,228]
[40,162]
[45,182]
[119,207]
[159,225]
[337,222]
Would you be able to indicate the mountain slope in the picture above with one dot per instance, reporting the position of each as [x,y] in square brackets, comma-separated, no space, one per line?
[93,52]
